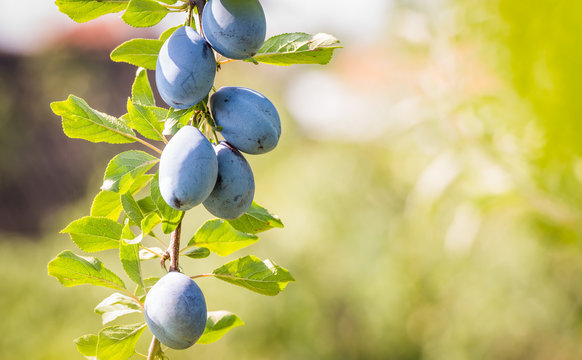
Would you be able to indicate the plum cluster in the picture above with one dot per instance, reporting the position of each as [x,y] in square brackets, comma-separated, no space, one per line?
[194,171]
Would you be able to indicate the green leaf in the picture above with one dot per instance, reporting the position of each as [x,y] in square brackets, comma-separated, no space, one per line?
[297,48]
[167,33]
[148,282]
[261,276]
[80,121]
[170,216]
[197,253]
[145,119]
[87,344]
[118,342]
[144,13]
[106,204]
[147,205]
[148,255]
[138,52]
[218,323]
[116,305]
[255,220]
[73,270]
[219,237]
[149,222]
[85,10]
[141,90]
[123,170]
[132,209]
[92,234]
[175,120]
[129,256]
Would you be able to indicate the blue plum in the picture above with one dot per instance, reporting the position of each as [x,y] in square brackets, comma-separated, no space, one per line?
[234,28]
[249,120]
[185,69]
[235,185]
[188,169]
[175,311]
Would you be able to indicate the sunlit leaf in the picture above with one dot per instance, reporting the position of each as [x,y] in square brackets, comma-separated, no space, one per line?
[73,270]
[92,234]
[218,323]
[255,220]
[297,48]
[118,342]
[261,276]
[221,238]
[116,305]
[80,121]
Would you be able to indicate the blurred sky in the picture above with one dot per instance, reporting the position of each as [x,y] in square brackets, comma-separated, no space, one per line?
[25,26]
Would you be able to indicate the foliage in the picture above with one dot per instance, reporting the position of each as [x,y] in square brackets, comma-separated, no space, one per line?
[125,218]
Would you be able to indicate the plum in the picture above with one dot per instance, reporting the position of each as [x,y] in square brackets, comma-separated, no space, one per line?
[175,311]
[248,119]
[234,28]
[235,184]
[188,169]
[185,69]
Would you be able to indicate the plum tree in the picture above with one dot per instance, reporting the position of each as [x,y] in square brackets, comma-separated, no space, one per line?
[137,200]
[249,121]
[185,68]
[175,311]
[234,28]
[188,169]
[235,185]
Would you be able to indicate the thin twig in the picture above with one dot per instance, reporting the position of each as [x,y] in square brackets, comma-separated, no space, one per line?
[174,248]
[154,349]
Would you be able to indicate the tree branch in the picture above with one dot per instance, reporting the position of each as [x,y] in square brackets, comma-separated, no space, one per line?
[155,349]
[174,248]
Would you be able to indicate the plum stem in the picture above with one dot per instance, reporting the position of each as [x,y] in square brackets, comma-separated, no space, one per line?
[155,349]
[174,248]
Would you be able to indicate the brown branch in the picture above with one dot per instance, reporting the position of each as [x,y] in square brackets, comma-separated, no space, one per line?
[174,248]
[200,6]
[155,349]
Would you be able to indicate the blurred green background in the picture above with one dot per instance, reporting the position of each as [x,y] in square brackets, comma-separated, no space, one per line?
[430,181]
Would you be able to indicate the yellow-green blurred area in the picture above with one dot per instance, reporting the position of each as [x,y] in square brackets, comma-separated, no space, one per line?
[429,180]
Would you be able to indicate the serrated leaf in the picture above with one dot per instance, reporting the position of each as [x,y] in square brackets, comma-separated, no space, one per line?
[72,270]
[197,253]
[106,204]
[149,222]
[116,305]
[92,234]
[148,282]
[141,90]
[261,276]
[125,168]
[297,48]
[255,220]
[118,342]
[138,52]
[218,323]
[221,238]
[85,10]
[87,344]
[151,253]
[170,216]
[144,13]
[168,32]
[80,121]
[175,120]
[147,205]
[129,256]
[145,119]
[132,209]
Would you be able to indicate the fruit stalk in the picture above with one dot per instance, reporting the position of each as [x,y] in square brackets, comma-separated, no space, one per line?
[174,248]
